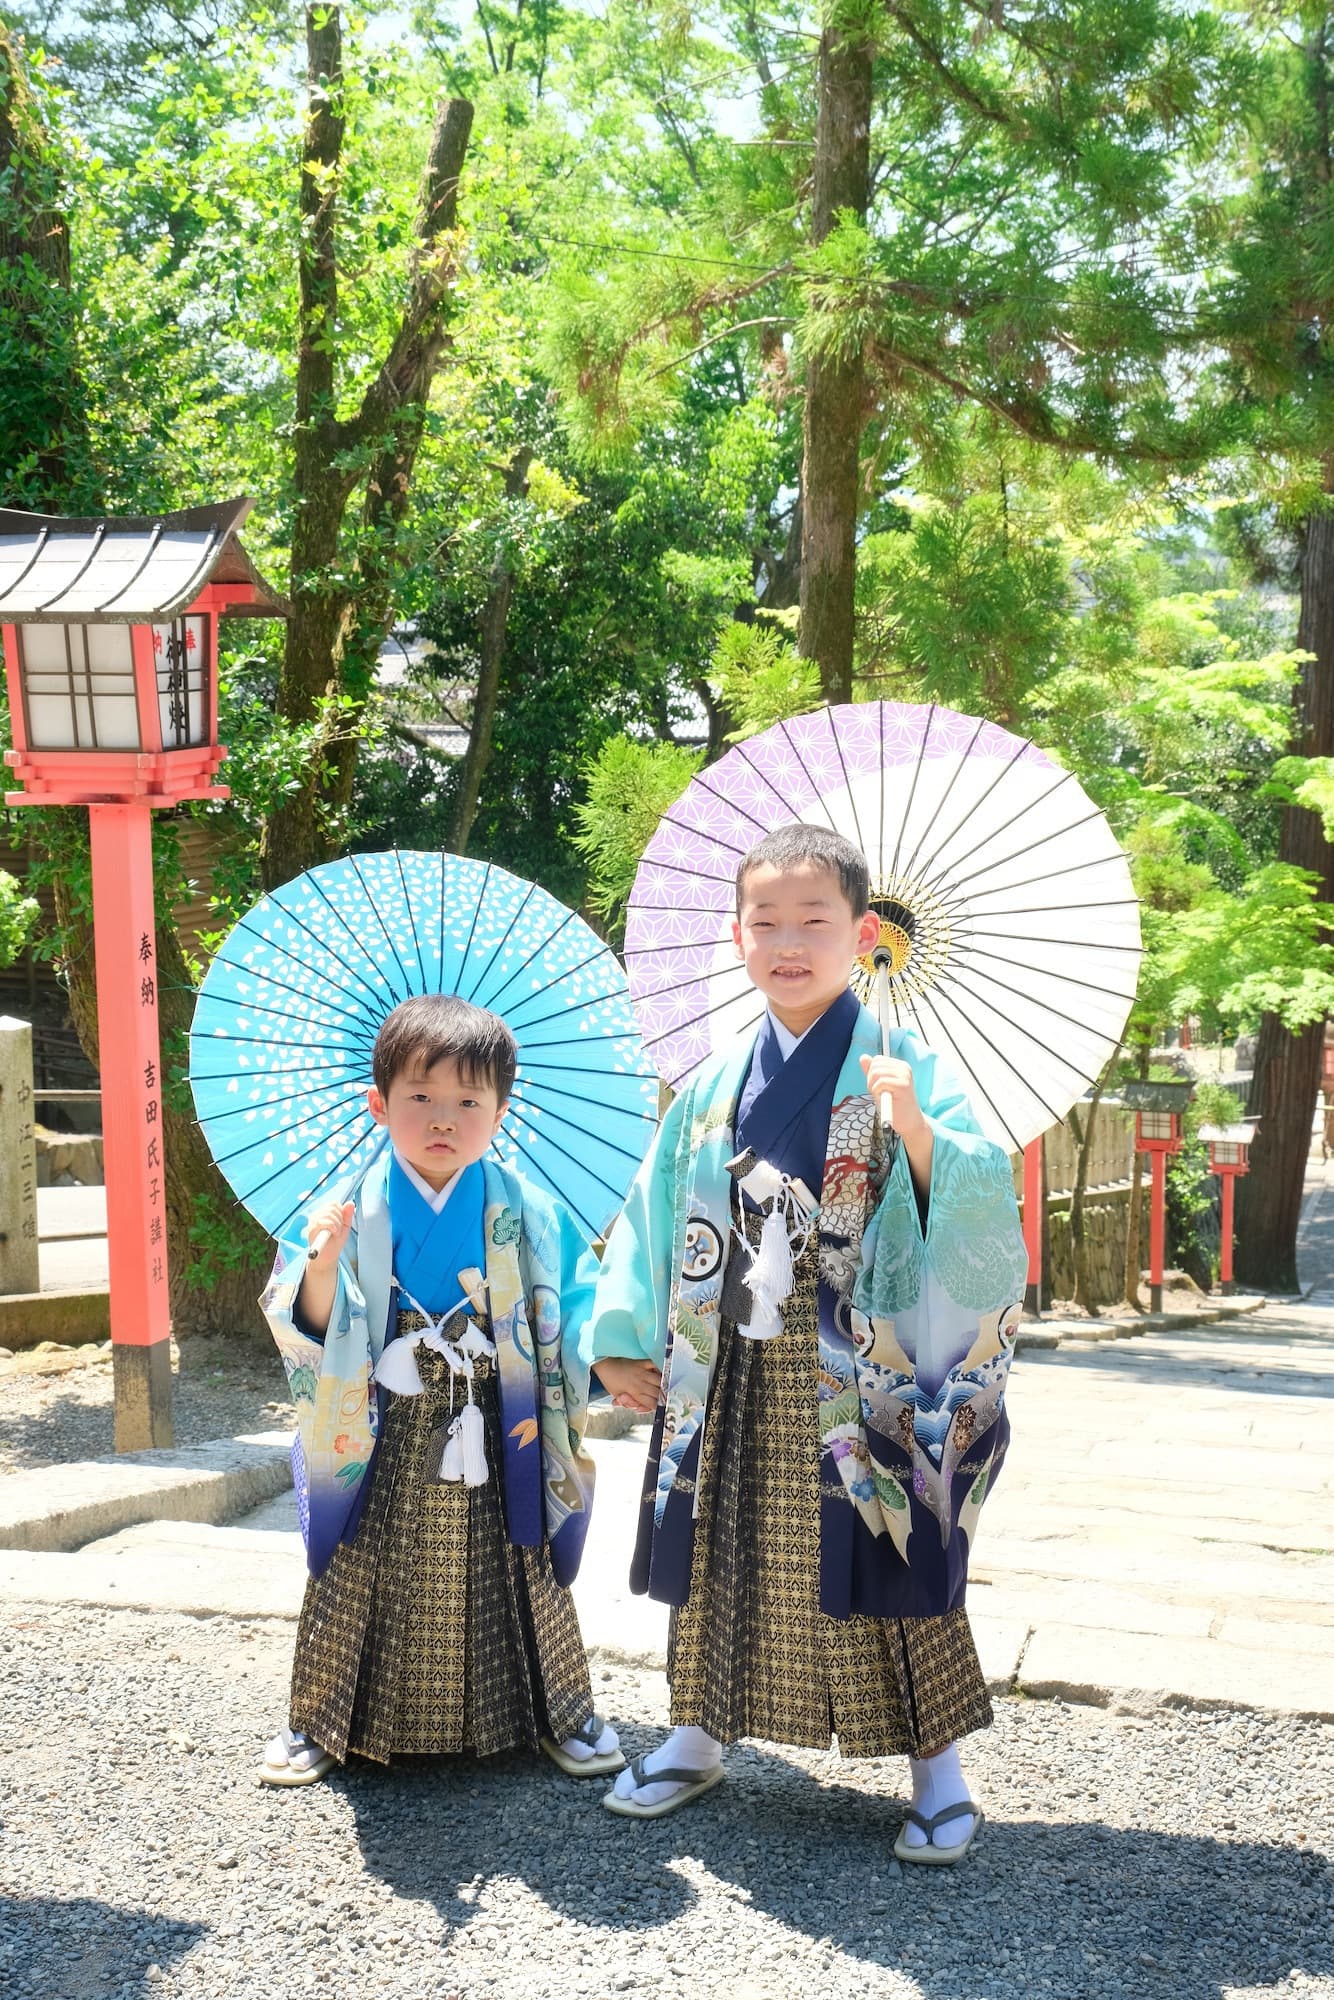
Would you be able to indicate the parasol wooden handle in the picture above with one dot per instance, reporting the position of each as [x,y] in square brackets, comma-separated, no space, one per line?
[318,1245]
[881,960]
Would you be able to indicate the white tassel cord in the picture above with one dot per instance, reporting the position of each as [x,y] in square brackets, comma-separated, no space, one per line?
[783,1237]
[464,1455]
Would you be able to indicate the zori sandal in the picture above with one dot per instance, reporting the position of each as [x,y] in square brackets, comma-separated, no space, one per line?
[931,1856]
[596,1766]
[693,1786]
[281,1765]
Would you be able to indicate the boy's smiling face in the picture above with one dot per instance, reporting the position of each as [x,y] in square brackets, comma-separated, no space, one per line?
[436,1121]
[797,938]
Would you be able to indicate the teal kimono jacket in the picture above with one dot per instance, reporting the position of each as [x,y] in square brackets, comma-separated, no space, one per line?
[917,1323]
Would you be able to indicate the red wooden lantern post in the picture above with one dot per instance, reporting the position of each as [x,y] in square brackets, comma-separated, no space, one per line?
[1228,1149]
[1158,1108]
[111,649]
[1033,1206]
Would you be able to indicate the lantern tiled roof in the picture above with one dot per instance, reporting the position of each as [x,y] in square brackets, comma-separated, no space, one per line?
[127,569]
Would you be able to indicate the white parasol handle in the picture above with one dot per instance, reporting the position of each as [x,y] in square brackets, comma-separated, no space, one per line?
[318,1245]
[881,961]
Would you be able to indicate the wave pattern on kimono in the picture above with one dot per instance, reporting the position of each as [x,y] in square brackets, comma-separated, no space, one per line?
[916,1326]
[539,1279]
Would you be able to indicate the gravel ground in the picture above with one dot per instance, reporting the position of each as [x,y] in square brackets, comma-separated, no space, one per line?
[223,1388]
[1164,1856]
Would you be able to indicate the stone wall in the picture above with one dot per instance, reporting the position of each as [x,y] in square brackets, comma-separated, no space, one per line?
[1105,1207]
[1105,1243]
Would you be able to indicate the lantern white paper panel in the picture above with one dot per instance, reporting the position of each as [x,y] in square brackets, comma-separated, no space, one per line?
[80,687]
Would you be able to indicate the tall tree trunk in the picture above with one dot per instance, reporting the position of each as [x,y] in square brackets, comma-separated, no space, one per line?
[490,655]
[335,628]
[835,385]
[217,1256]
[1287,1066]
[389,488]
[292,834]
[782,582]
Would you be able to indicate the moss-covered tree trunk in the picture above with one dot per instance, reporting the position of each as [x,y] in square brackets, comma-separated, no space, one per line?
[336,627]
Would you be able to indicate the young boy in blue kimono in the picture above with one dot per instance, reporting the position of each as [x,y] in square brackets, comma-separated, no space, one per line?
[429,1327]
[815,1284]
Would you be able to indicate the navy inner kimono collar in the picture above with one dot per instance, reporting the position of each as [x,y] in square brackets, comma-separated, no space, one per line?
[431,1249]
[783,1112]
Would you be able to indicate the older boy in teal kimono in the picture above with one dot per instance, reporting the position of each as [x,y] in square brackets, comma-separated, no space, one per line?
[818,1299]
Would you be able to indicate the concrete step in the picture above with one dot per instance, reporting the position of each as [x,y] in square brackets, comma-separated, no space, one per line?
[62,1507]
[71,1314]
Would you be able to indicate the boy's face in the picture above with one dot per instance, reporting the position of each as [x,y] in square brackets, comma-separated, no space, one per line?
[438,1123]
[797,938]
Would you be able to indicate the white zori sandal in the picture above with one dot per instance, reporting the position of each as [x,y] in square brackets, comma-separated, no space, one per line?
[929,1855]
[598,1765]
[292,1759]
[691,1785]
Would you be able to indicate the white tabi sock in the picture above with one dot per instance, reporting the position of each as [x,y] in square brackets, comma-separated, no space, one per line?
[938,1782]
[574,1746]
[687,1748]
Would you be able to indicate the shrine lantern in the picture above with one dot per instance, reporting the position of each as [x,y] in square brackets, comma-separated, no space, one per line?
[1229,1151]
[111,651]
[111,660]
[1158,1109]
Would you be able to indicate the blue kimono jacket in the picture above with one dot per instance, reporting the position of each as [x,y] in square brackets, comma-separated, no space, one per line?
[917,1320]
[538,1274]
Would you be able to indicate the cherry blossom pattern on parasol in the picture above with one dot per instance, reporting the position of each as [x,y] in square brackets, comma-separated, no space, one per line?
[280,1047]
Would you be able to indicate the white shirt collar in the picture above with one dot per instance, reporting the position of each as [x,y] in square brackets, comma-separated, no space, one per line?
[435,1198]
[785,1038]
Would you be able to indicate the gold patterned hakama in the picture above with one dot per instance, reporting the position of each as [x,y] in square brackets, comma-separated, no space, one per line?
[429,1632]
[750,1653]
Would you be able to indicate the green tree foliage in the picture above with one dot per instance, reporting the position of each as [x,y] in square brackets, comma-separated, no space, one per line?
[630,787]
[19,915]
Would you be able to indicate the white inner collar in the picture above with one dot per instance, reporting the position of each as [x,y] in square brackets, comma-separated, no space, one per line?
[785,1038]
[434,1197]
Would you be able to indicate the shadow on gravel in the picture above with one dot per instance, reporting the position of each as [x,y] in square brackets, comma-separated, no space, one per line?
[1076,1911]
[78,1949]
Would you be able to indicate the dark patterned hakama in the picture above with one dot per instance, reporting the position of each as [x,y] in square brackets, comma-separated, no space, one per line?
[750,1652]
[430,1633]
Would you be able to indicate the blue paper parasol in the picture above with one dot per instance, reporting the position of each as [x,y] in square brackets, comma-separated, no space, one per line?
[280,1047]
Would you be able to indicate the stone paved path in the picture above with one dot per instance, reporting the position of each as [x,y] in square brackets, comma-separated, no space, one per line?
[1163,1528]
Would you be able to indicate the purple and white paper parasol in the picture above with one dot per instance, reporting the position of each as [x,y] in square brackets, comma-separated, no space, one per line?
[1004,899]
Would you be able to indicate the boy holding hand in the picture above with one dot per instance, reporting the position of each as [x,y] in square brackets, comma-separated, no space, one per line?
[815,1284]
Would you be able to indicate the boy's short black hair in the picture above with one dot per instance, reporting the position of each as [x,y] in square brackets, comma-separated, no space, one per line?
[439,1027]
[800,846]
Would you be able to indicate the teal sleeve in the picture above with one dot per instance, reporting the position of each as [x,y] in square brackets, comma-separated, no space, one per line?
[629,1317]
[972,1239]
